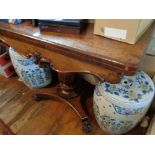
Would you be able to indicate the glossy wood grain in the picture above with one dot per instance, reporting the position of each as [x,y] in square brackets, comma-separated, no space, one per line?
[63,62]
[84,52]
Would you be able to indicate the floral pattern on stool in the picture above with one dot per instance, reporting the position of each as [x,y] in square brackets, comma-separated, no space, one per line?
[132,88]
[29,72]
[119,107]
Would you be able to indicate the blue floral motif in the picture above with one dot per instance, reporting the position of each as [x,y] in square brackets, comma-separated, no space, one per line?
[140,77]
[111,124]
[36,77]
[110,88]
[146,88]
[26,62]
[133,88]
[127,111]
[30,73]
[115,125]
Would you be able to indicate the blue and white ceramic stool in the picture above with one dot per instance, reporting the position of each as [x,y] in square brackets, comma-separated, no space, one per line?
[120,107]
[30,73]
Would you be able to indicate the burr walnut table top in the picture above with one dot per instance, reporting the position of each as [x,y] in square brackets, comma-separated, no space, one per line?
[116,56]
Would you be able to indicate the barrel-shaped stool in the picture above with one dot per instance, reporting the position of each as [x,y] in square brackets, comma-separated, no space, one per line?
[120,107]
[30,73]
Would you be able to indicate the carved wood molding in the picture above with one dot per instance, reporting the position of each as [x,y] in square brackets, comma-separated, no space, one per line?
[127,69]
[41,61]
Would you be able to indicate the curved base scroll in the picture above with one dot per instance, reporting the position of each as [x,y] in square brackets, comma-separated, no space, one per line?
[67,89]
[80,113]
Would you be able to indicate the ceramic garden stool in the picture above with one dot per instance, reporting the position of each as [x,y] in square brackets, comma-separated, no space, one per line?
[120,107]
[30,73]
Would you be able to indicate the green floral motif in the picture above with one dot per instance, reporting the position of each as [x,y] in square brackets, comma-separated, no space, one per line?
[97,91]
[132,88]
[146,88]
[134,96]
[112,88]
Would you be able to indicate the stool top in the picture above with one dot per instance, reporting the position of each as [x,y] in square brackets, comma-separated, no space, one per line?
[131,89]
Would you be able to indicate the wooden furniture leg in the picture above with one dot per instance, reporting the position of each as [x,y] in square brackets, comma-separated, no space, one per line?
[67,87]
[65,91]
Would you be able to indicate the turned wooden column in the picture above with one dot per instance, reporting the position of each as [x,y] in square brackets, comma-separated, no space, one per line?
[66,87]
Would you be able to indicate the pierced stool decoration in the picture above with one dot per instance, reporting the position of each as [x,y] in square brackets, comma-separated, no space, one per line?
[30,73]
[120,107]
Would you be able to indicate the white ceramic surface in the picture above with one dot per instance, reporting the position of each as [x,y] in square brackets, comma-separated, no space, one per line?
[31,74]
[119,107]
[90,78]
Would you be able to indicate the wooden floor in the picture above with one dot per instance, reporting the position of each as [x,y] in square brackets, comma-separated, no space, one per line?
[26,116]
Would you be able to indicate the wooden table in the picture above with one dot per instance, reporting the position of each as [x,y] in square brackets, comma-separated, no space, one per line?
[70,55]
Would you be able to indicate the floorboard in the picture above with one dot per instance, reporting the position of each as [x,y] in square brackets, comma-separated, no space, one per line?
[28,117]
